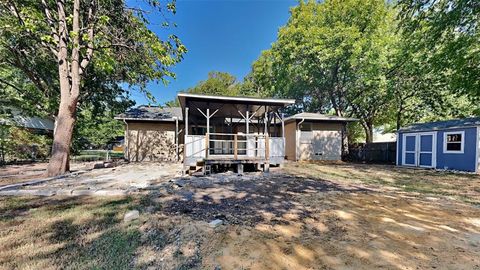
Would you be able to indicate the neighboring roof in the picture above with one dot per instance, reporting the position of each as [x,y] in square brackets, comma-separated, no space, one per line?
[319,117]
[439,125]
[182,96]
[152,113]
[19,119]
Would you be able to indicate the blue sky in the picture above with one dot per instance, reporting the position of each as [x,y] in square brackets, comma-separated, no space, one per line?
[225,35]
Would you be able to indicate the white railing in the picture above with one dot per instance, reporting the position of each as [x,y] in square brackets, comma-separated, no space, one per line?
[234,146]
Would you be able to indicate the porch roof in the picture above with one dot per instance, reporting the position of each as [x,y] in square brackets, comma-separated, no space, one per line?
[229,106]
[319,117]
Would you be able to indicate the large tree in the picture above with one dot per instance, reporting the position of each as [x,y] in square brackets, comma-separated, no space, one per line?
[82,39]
[333,56]
[448,33]
[217,83]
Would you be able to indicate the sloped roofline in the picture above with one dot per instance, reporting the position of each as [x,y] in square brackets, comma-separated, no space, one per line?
[268,101]
[319,117]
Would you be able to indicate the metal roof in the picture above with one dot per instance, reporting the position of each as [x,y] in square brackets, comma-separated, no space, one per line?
[20,119]
[182,96]
[439,125]
[228,106]
[319,117]
[152,113]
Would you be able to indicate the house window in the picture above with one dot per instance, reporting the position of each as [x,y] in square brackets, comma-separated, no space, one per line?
[453,142]
[306,127]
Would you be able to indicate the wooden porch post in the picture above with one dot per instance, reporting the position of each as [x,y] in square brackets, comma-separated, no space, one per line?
[283,133]
[247,119]
[186,121]
[235,146]
[207,134]
[185,142]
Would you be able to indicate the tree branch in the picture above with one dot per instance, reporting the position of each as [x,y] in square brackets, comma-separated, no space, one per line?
[91,34]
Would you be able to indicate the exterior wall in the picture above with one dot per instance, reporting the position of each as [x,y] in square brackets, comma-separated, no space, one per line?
[291,140]
[324,142]
[461,162]
[465,161]
[150,141]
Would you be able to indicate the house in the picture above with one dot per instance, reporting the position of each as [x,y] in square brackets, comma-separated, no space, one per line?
[314,136]
[39,125]
[152,133]
[210,131]
[380,136]
[450,145]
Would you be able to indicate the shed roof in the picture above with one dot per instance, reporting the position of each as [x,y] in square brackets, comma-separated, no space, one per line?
[319,117]
[439,125]
[152,113]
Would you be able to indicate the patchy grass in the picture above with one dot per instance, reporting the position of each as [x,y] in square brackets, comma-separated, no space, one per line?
[66,233]
[462,186]
[306,216]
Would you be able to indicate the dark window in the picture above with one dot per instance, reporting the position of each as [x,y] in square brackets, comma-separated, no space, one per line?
[453,142]
[454,147]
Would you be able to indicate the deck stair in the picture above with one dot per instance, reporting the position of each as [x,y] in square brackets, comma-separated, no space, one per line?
[199,169]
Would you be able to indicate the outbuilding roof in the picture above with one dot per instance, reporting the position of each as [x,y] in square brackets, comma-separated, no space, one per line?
[319,117]
[439,125]
[152,113]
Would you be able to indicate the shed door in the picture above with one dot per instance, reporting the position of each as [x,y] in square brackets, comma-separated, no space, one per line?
[419,149]
[425,153]
[410,150]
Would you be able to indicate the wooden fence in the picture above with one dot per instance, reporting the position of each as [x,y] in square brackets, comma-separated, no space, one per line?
[381,152]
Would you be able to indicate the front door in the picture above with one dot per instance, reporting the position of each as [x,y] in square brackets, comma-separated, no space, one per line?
[419,149]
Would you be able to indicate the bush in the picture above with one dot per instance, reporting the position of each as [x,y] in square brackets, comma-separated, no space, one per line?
[22,144]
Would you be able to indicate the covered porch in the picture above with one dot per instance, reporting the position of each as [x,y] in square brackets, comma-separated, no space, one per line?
[223,130]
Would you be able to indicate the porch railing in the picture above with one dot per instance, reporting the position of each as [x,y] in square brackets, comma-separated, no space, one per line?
[234,146]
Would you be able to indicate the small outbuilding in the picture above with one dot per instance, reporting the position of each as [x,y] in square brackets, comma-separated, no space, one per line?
[315,136]
[449,145]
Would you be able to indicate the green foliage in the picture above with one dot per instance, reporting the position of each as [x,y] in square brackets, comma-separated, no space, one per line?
[22,144]
[355,58]
[217,83]
[121,51]
[447,32]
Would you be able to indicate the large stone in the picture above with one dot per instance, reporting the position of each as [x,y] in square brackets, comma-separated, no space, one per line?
[215,223]
[110,192]
[131,215]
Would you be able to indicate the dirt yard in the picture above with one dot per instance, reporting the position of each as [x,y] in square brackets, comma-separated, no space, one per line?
[19,173]
[304,216]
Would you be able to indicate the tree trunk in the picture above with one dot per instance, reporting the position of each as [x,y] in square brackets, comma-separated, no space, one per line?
[62,139]
[69,78]
[399,115]
[368,127]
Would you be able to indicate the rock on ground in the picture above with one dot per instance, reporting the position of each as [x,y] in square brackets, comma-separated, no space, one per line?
[131,215]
